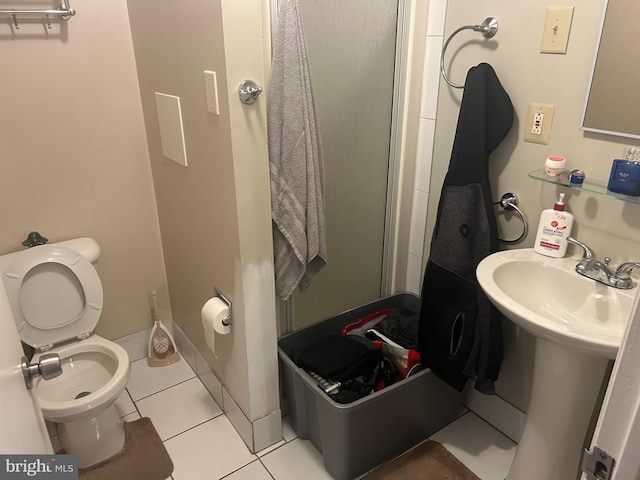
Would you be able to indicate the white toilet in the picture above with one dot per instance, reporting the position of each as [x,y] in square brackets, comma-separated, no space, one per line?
[56,300]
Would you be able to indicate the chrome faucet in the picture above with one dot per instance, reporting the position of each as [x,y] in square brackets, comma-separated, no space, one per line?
[623,273]
[594,269]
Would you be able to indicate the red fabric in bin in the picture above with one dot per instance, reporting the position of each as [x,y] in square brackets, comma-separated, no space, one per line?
[404,358]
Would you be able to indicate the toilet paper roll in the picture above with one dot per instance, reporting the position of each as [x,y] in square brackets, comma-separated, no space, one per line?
[215,319]
[215,316]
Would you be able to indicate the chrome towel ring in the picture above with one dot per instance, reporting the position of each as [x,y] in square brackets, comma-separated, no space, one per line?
[488,28]
[509,201]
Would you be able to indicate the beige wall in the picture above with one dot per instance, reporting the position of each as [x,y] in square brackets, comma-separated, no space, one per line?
[75,162]
[248,56]
[74,158]
[214,214]
[611,227]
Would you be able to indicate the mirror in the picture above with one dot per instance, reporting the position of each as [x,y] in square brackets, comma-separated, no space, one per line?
[613,101]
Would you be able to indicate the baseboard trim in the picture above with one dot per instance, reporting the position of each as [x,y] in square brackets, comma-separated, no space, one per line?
[497,412]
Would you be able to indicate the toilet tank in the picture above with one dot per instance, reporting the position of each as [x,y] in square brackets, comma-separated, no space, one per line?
[86,246]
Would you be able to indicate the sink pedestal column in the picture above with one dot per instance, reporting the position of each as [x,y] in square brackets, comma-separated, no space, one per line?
[566,383]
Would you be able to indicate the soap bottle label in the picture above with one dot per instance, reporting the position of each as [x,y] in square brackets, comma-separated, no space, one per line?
[551,233]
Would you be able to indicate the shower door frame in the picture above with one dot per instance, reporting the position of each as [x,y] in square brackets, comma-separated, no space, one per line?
[393,173]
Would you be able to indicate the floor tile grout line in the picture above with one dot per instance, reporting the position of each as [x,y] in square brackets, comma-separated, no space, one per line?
[227,475]
[194,426]
[271,451]
[166,388]
[134,404]
[265,467]
[146,357]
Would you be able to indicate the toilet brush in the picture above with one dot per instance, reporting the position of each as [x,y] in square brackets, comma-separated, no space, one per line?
[162,348]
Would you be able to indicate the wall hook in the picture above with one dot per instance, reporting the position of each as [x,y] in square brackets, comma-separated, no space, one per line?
[249,91]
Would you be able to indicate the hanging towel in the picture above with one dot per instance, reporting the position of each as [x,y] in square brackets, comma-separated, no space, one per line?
[295,160]
[460,331]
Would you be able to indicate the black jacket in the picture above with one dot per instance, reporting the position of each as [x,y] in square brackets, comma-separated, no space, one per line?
[460,333]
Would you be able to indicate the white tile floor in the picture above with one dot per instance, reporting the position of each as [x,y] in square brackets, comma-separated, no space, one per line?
[203,444]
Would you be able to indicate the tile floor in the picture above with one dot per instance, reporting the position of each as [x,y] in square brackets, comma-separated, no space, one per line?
[203,444]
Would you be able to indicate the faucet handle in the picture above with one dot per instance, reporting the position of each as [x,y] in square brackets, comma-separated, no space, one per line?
[623,272]
[587,254]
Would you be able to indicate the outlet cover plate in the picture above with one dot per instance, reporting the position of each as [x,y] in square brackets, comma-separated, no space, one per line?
[542,125]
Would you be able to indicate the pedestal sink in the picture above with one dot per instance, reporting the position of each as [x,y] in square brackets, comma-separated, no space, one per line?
[578,324]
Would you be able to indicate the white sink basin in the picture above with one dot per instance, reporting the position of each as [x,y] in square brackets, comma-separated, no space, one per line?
[578,324]
[546,297]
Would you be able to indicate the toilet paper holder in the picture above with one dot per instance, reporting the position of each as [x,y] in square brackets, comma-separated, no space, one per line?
[226,321]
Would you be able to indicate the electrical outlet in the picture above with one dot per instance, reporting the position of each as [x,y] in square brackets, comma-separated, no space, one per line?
[537,128]
[538,118]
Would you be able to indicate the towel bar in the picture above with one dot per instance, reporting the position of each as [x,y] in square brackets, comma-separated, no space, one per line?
[64,12]
[488,28]
[509,201]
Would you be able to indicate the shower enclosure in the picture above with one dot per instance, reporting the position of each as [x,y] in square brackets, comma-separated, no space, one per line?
[351,47]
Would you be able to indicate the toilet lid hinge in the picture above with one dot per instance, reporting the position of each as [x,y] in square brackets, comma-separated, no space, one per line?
[84,336]
[45,348]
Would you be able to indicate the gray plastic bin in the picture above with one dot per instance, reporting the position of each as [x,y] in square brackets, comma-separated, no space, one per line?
[356,437]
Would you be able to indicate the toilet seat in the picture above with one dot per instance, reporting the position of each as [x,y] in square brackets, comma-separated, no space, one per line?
[66,386]
[55,295]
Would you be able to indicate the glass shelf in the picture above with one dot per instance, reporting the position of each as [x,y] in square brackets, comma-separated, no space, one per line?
[599,187]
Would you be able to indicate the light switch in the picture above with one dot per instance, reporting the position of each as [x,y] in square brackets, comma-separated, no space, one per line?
[557,26]
[211,88]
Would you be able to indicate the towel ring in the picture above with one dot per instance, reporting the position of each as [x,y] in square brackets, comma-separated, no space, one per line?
[488,28]
[509,201]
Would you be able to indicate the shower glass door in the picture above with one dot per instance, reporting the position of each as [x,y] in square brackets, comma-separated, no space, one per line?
[351,46]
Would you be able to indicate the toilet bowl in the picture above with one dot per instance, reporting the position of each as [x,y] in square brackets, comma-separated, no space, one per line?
[55,296]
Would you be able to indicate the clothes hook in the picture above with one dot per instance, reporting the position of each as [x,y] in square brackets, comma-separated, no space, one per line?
[248,91]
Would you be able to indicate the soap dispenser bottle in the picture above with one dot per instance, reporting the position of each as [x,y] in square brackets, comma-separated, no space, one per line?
[553,230]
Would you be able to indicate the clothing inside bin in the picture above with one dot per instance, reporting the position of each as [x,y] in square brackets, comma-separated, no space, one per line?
[338,358]
[371,354]
[346,367]
[395,333]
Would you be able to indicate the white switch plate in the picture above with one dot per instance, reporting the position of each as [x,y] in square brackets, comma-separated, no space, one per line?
[171,129]
[537,127]
[211,88]
[555,36]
